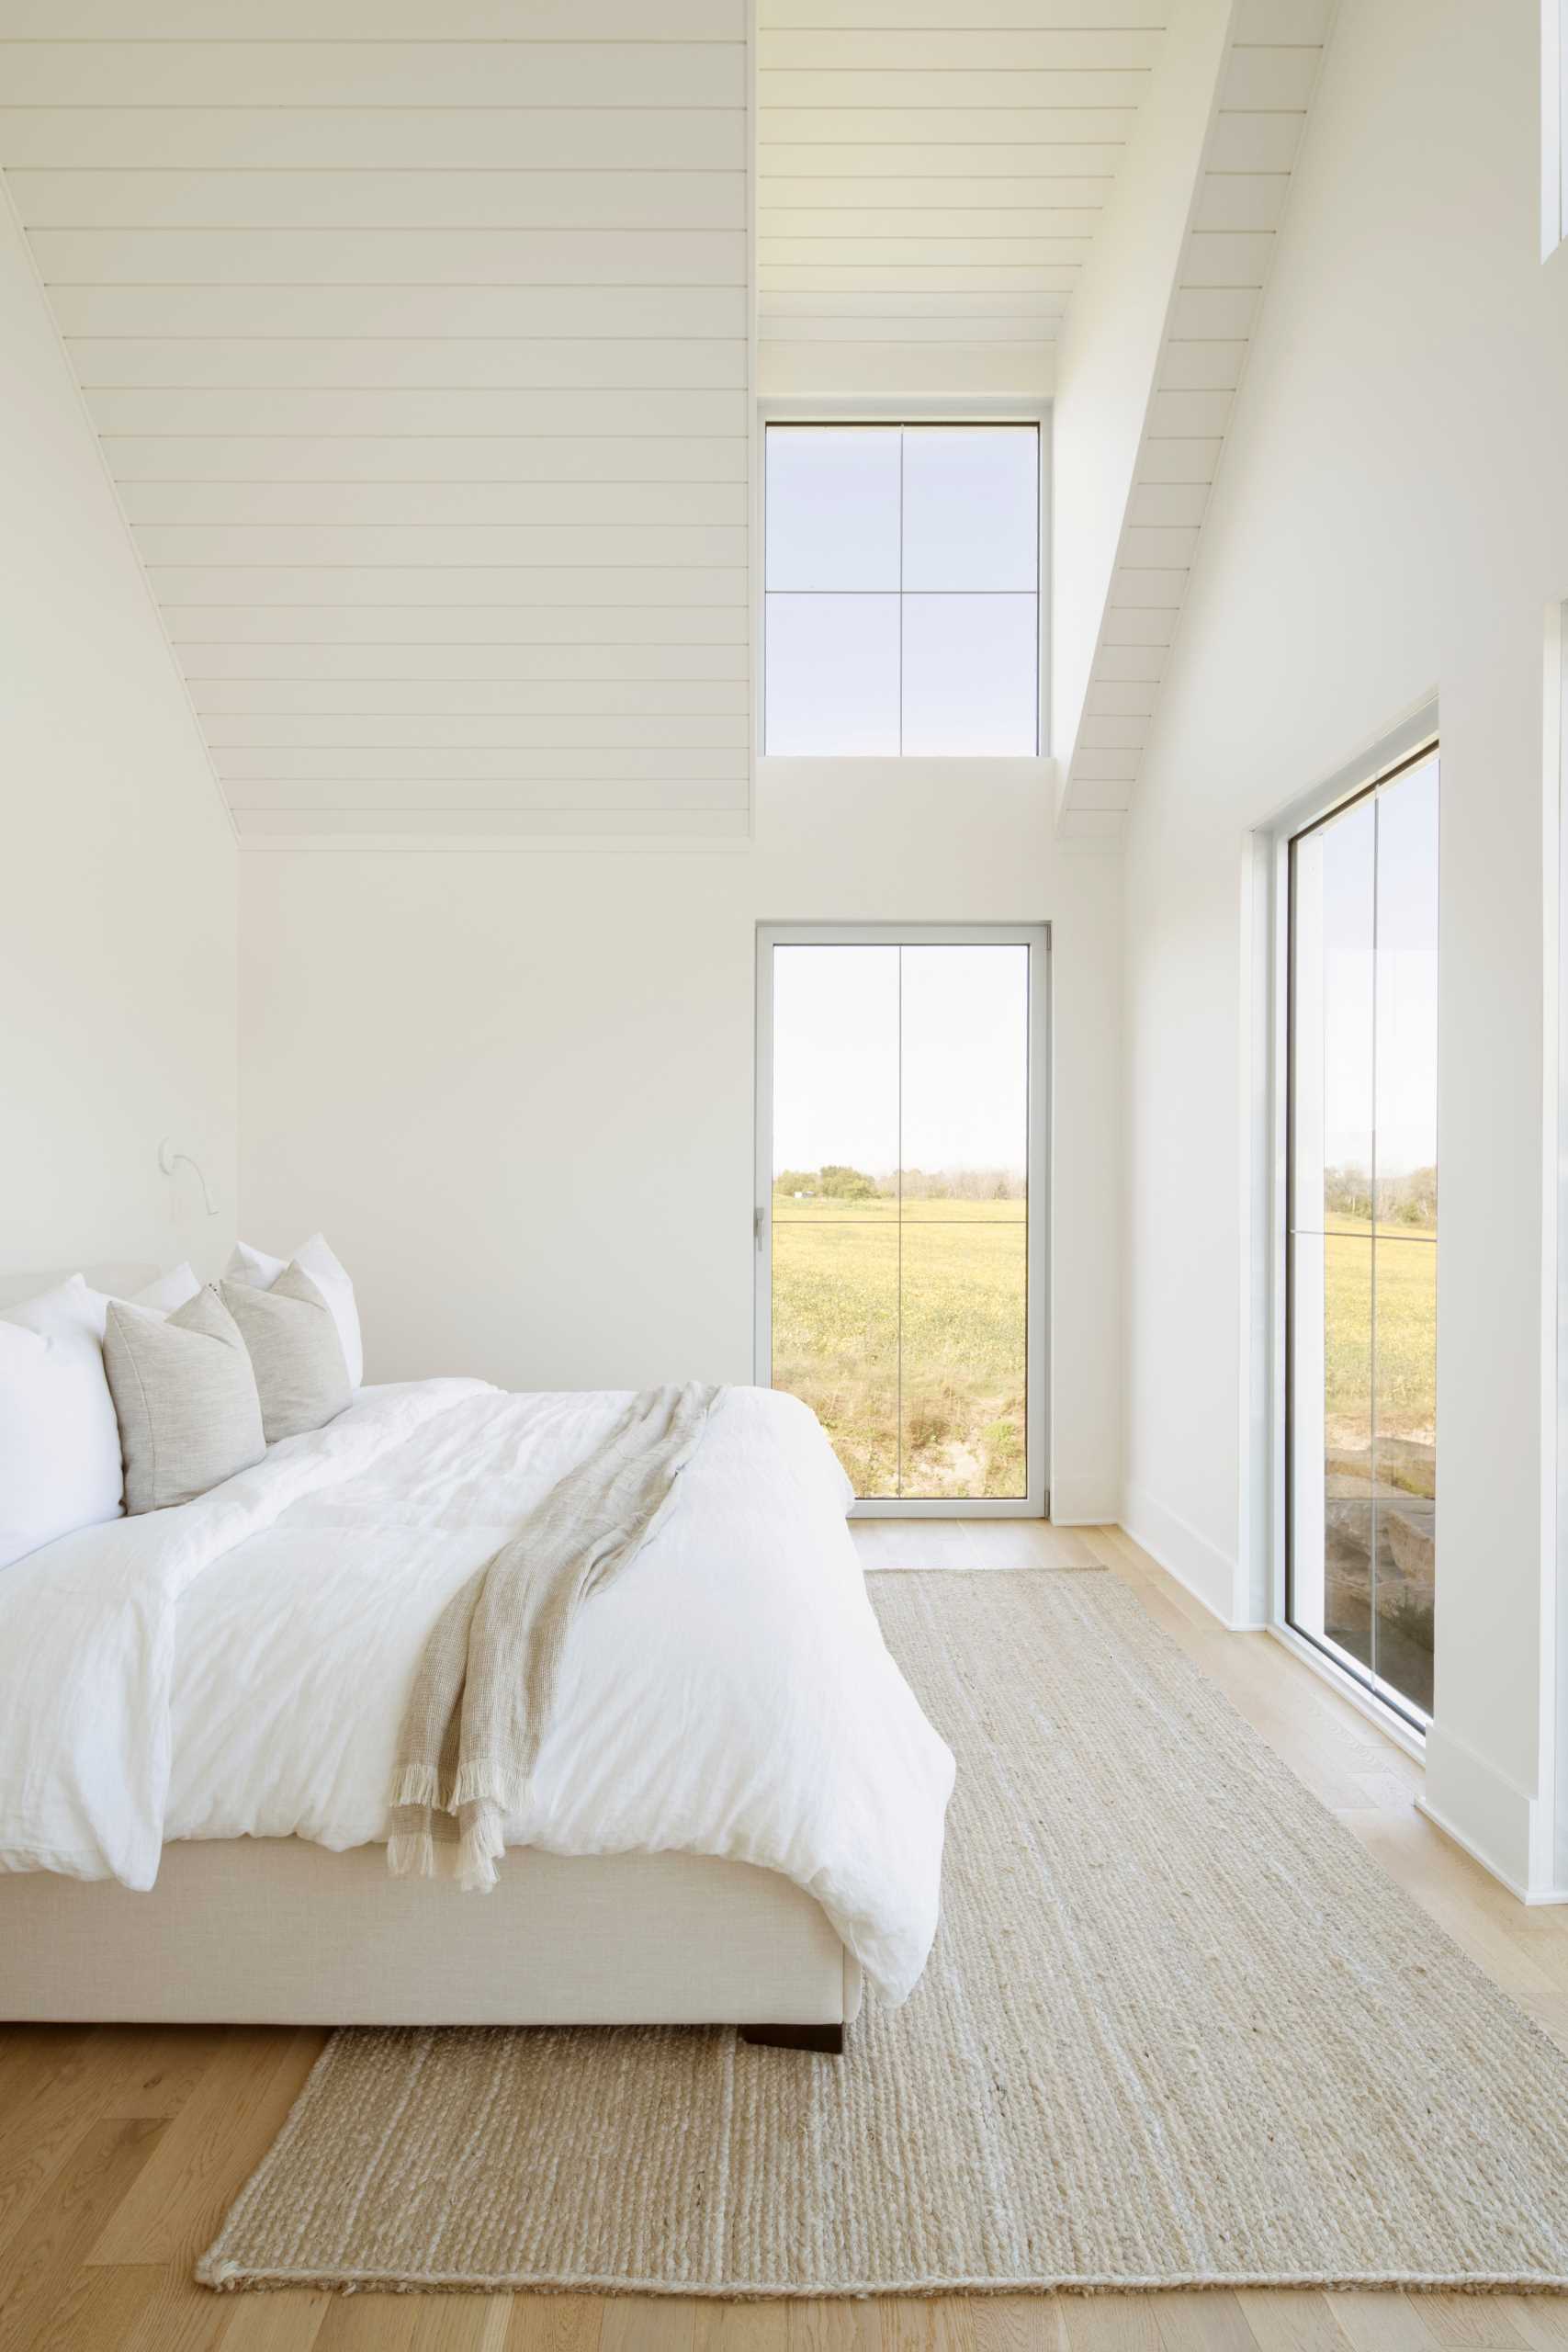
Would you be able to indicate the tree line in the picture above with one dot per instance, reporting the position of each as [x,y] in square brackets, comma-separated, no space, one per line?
[837,1182]
[1410,1199]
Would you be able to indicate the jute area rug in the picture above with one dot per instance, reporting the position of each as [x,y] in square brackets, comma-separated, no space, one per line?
[1178,2031]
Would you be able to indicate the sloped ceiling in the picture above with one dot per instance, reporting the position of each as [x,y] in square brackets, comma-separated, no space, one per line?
[928,182]
[418,336]
[1270,72]
[416,333]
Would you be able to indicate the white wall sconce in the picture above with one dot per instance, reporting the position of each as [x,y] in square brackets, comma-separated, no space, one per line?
[169,1160]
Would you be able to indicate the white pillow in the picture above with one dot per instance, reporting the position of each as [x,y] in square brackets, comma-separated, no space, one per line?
[59,1458]
[260,1271]
[169,1292]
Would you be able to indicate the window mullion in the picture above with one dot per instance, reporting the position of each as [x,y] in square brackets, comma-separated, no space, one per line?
[898,1271]
[900,704]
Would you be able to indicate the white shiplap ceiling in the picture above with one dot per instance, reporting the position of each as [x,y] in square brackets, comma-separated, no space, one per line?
[928,180]
[418,338]
[416,335]
[1270,72]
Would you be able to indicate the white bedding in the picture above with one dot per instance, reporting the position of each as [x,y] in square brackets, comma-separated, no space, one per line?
[239,1666]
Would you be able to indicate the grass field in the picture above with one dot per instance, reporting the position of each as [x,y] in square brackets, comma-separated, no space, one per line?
[1406,1354]
[1380,1446]
[957,1429]
[959,1426]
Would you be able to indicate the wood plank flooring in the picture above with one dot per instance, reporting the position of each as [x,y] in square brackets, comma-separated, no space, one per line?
[120,2149]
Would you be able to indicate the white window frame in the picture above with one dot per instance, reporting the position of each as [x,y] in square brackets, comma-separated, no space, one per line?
[1553,126]
[1035,1502]
[1264,1290]
[912,411]
[1554,1176]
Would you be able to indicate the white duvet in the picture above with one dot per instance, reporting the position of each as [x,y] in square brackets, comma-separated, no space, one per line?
[239,1666]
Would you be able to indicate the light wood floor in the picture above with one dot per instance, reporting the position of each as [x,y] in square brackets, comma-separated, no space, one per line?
[120,2149]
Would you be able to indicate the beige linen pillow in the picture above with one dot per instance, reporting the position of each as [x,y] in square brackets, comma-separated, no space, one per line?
[185,1397]
[296,1353]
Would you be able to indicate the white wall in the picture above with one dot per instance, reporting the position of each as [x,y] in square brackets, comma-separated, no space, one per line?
[517,1090]
[118,943]
[1390,518]
[1111,348]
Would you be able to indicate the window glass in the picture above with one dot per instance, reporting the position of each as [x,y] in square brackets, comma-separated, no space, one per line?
[1361,1420]
[832,507]
[832,675]
[969,677]
[899,1304]
[971,509]
[902,591]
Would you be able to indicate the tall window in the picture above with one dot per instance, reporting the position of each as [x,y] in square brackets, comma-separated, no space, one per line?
[902,591]
[900,1207]
[1361,1432]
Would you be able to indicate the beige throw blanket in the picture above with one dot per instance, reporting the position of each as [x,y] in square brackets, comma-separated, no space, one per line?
[485,1690]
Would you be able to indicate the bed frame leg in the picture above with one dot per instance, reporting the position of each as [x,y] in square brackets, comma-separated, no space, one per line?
[828,2040]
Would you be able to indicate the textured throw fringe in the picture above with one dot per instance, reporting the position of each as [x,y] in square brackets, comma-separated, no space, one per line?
[411,1857]
[484,1842]
[417,1784]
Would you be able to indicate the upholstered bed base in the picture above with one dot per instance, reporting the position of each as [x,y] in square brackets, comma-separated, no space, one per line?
[277,1931]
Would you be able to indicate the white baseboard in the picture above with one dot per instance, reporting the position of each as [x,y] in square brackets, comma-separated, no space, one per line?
[1195,1563]
[1523,1894]
[1085,1501]
[1499,1825]
[1354,1693]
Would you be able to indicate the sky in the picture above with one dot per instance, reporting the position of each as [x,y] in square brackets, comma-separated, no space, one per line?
[903,573]
[957,1095]
[1378,1049]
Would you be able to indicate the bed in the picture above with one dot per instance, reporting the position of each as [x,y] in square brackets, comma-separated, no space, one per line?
[736,1814]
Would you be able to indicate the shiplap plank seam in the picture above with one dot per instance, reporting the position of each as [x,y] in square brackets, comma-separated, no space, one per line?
[935,157]
[1104,763]
[153,257]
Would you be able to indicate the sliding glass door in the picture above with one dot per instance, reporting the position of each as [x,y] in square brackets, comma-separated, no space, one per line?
[1361,1436]
[900,1209]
